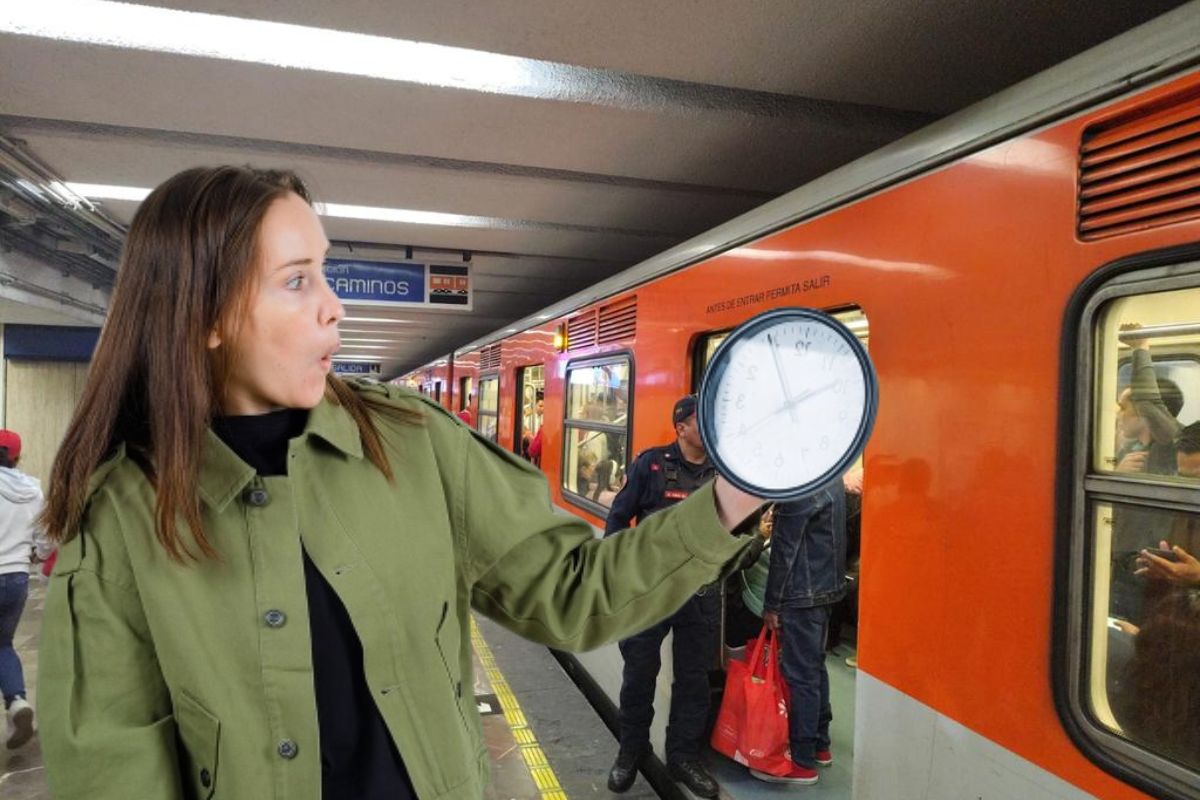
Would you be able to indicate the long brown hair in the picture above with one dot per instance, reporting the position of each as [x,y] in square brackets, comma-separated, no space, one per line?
[187,266]
[1163,680]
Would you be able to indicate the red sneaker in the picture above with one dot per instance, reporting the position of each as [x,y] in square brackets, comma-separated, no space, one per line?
[824,758]
[798,774]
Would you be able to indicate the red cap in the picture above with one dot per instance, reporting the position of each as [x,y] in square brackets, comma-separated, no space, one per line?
[12,441]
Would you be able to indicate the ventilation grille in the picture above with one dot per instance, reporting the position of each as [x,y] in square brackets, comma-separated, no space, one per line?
[581,330]
[618,322]
[604,325]
[489,357]
[1141,172]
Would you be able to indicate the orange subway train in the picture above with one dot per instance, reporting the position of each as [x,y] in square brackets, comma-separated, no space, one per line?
[1026,276]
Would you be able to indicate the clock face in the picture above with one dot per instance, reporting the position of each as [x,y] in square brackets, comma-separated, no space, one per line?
[787,403]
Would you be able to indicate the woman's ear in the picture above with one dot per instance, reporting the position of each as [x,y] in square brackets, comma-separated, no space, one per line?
[214,339]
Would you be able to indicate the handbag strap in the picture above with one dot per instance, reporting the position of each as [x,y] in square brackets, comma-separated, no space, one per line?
[773,659]
[756,653]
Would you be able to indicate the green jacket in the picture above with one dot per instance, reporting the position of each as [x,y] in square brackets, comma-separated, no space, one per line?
[160,681]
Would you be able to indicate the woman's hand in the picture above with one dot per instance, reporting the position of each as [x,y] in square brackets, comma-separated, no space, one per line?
[733,505]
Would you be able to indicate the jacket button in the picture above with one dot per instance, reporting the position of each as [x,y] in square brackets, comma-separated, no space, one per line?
[275,618]
[205,778]
[287,749]
[258,497]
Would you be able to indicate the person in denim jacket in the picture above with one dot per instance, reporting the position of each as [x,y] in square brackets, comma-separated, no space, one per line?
[807,577]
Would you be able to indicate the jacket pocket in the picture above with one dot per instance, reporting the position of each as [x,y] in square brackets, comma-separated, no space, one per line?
[449,644]
[200,738]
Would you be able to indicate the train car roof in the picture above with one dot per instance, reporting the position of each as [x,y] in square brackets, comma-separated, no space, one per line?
[1153,52]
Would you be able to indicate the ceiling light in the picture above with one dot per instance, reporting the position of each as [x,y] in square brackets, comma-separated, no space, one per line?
[97,191]
[410,216]
[276,44]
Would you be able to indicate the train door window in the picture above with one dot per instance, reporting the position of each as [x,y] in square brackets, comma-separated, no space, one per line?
[1132,625]
[489,405]
[465,387]
[596,431]
[437,391]
[531,383]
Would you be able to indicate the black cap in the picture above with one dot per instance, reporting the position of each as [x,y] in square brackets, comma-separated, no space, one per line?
[684,408]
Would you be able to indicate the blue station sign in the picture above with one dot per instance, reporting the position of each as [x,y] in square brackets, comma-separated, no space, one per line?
[355,368]
[400,283]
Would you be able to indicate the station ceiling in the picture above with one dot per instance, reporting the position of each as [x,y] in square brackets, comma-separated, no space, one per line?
[546,144]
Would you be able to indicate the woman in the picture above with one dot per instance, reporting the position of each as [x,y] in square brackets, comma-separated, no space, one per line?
[265,573]
[20,502]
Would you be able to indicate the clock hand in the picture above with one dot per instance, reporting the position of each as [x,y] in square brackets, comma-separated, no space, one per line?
[807,393]
[787,392]
[789,405]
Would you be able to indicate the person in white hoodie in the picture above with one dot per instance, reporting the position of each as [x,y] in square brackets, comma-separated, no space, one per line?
[20,502]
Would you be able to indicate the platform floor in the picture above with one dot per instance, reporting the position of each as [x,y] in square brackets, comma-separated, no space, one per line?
[546,741]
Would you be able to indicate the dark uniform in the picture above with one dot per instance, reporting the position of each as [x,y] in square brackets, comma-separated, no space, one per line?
[659,478]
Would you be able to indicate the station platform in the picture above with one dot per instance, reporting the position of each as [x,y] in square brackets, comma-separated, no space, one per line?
[546,741]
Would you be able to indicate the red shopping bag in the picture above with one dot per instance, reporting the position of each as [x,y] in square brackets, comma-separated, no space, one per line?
[752,725]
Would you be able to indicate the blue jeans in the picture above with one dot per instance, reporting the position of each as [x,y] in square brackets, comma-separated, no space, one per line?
[802,661]
[694,649]
[14,589]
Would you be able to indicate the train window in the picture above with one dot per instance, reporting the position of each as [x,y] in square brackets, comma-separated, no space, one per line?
[1133,631]
[489,405]
[531,383]
[596,431]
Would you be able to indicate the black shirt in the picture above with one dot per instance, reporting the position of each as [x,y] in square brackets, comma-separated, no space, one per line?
[359,760]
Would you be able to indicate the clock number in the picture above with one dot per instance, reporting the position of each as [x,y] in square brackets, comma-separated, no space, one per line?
[741,403]
[828,362]
[758,447]
[843,415]
[752,372]
[824,442]
[841,386]
[778,461]
[802,348]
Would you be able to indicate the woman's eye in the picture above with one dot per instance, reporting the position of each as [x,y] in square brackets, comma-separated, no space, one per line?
[295,283]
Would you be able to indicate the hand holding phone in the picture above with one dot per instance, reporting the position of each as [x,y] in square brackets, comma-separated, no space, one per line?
[1172,564]
[1166,555]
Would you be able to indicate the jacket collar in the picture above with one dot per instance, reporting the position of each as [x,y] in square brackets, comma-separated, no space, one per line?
[223,475]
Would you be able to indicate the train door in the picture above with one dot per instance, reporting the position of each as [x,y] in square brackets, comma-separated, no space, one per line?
[842,632]
[489,405]
[531,384]
[744,596]
[465,395]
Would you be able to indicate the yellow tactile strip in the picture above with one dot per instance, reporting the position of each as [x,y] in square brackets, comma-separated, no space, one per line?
[535,759]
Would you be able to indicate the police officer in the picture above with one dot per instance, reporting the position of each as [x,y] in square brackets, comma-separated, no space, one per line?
[661,477]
